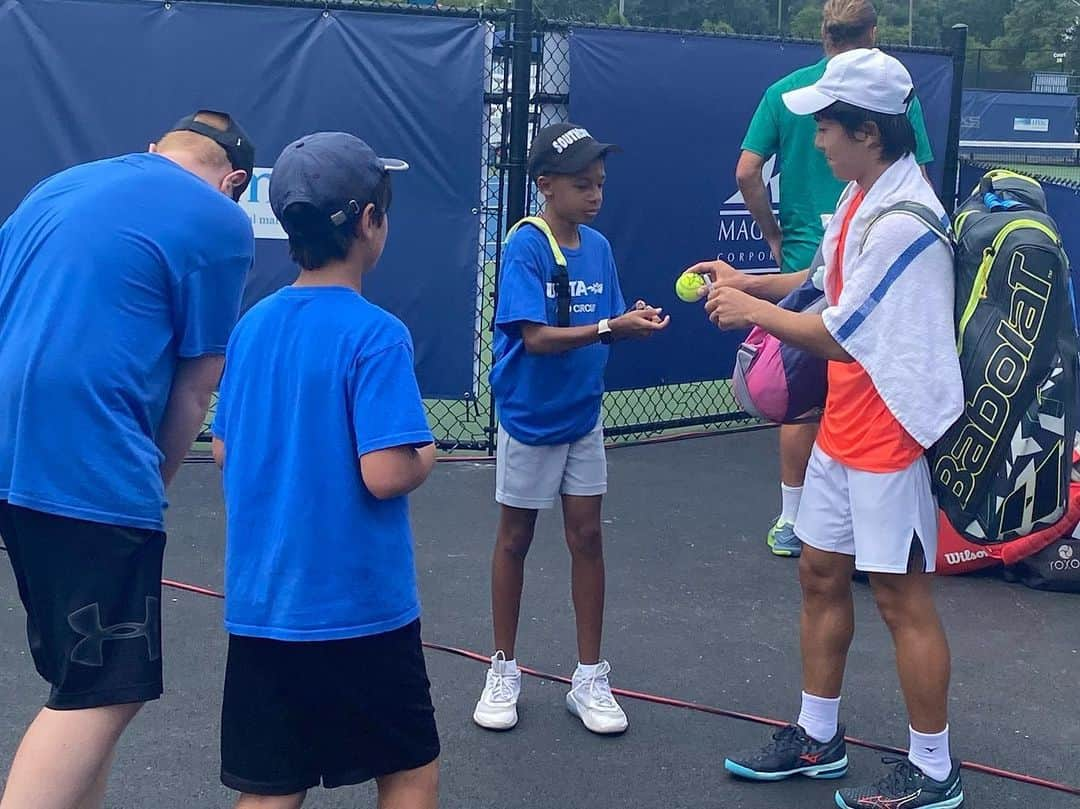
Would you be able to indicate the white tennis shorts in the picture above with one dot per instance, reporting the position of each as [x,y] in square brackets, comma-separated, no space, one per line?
[534,477]
[869,515]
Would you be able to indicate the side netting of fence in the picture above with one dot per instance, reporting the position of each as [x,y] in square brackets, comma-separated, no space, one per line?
[636,406]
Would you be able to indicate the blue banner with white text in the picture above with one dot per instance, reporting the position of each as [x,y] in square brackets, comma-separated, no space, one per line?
[679,105]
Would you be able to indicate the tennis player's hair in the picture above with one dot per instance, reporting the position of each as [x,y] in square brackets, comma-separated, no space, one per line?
[848,24]
[201,148]
[896,132]
[315,241]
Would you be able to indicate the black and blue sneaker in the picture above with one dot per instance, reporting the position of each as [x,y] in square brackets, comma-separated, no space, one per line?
[792,752]
[906,787]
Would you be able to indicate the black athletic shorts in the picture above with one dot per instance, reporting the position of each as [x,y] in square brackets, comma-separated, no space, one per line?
[92,594]
[300,713]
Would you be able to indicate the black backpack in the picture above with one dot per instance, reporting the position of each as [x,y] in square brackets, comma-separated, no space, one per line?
[1056,567]
[1002,470]
[561,277]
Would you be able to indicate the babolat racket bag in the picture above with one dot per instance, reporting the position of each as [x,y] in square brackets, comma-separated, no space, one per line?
[1002,470]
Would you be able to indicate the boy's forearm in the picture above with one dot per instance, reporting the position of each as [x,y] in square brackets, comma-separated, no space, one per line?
[555,339]
[415,470]
[775,286]
[800,329]
[398,471]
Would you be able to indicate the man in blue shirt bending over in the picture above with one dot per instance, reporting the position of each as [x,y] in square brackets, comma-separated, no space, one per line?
[120,282]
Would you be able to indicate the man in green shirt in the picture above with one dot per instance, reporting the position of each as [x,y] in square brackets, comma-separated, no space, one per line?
[808,196]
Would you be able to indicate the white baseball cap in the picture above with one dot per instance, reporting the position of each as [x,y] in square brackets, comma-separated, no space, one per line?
[864,78]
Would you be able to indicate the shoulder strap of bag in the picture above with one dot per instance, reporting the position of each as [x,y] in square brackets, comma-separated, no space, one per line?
[939,227]
[561,277]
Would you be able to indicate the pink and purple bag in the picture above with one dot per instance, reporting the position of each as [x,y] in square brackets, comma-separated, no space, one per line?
[777,382]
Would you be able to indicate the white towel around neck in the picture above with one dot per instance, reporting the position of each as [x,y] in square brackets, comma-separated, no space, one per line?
[895,315]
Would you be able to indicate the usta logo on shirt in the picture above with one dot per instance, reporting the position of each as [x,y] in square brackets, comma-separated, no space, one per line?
[579,289]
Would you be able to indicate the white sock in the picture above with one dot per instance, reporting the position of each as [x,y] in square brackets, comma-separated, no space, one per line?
[506,666]
[930,753]
[587,671]
[819,717]
[789,499]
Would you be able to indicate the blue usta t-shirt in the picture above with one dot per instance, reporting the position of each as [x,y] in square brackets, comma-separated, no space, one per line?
[551,398]
[316,377]
[110,274]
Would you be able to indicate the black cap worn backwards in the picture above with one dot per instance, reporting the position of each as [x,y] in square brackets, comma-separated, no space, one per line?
[237,145]
[565,149]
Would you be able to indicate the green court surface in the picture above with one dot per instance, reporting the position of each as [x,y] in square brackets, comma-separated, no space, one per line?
[1061,169]
[1061,173]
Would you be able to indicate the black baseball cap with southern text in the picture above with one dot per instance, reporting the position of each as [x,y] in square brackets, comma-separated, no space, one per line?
[565,149]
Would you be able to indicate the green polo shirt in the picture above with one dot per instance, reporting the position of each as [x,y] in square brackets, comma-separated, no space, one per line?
[808,189]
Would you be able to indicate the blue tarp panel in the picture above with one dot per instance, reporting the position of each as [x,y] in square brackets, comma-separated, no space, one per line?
[680,106]
[993,115]
[85,79]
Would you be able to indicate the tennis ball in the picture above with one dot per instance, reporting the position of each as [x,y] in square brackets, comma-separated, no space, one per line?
[687,286]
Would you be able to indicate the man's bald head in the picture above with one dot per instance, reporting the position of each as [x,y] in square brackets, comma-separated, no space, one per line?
[198,146]
[202,155]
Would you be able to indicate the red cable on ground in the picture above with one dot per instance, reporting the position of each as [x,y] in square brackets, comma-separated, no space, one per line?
[984,769]
[191,588]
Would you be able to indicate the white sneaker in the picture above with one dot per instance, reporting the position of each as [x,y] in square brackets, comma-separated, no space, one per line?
[590,700]
[497,708]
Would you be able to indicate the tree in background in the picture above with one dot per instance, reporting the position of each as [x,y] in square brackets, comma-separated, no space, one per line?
[806,23]
[1033,32]
[1012,35]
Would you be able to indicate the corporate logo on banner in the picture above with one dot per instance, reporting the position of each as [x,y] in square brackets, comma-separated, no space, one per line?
[256,204]
[740,241]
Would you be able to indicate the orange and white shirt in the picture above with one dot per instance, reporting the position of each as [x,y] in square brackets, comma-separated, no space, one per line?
[858,429]
[890,294]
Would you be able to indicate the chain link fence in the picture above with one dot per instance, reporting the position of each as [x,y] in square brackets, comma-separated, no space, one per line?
[1021,70]
[469,424]
[629,415]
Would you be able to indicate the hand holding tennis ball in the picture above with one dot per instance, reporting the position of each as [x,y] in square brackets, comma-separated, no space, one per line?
[690,286]
[711,275]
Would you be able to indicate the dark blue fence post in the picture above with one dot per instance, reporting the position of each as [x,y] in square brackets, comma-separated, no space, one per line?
[521,74]
[958,45]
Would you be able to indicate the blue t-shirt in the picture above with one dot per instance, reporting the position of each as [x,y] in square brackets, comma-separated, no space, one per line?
[110,273]
[551,398]
[316,377]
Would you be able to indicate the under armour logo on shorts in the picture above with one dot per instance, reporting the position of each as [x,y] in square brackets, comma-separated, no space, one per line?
[87,622]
